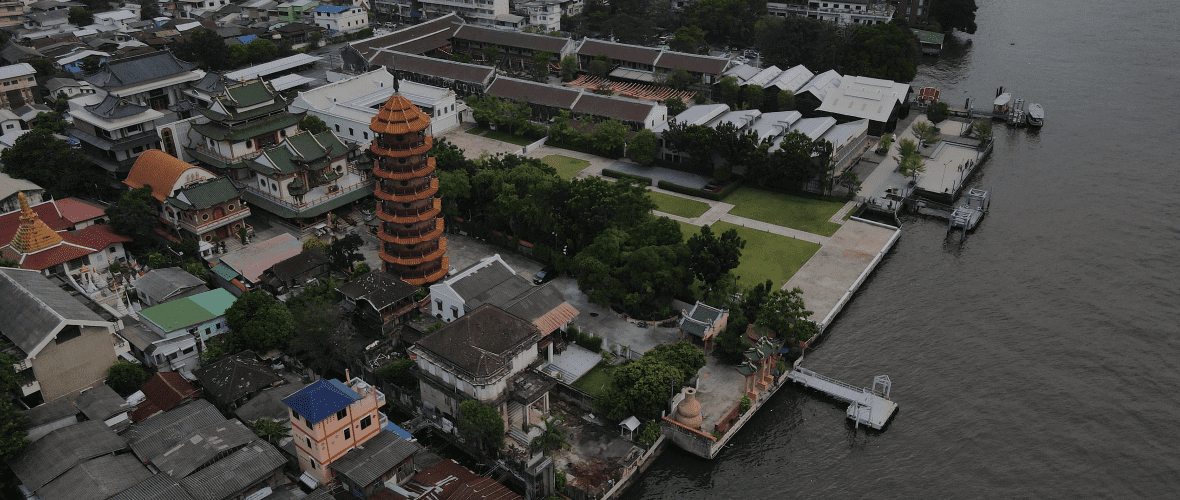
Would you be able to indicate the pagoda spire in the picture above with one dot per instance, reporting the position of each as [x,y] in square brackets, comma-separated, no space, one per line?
[33,235]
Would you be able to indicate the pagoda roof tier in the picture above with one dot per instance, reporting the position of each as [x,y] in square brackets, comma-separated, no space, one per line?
[411,215]
[418,149]
[428,276]
[427,192]
[417,259]
[219,131]
[420,237]
[407,174]
[399,116]
[233,115]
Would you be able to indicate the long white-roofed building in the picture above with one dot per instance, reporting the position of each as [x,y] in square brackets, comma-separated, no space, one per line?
[347,106]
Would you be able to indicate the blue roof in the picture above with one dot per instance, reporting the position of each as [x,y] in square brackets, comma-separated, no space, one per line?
[247,38]
[332,9]
[394,428]
[321,399]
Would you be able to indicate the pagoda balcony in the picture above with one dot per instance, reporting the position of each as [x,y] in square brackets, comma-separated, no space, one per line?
[409,215]
[405,194]
[405,172]
[423,276]
[404,149]
[418,256]
[415,236]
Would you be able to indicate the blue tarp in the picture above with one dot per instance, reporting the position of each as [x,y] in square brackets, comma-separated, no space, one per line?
[394,428]
[247,38]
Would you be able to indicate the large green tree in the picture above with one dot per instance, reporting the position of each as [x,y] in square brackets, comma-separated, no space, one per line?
[643,387]
[259,322]
[80,17]
[323,336]
[958,14]
[51,163]
[126,377]
[610,137]
[205,48]
[635,269]
[712,256]
[688,39]
[694,141]
[481,424]
[643,148]
[134,215]
[887,50]
[13,423]
[785,313]
[726,20]
[344,252]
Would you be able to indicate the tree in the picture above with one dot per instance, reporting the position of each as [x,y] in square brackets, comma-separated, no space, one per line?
[711,257]
[675,106]
[261,50]
[642,148]
[938,112]
[80,17]
[270,430]
[541,62]
[313,124]
[315,244]
[752,96]
[126,377]
[482,424]
[322,338]
[884,143]
[552,437]
[887,50]
[731,91]
[982,129]
[786,100]
[90,64]
[955,14]
[850,182]
[206,48]
[726,20]
[345,251]
[134,215]
[197,269]
[9,263]
[911,165]
[688,39]
[695,141]
[784,313]
[148,10]
[599,67]
[681,79]
[643,387]
[44,67]
[399,373]
[258,322]
[492,53]
[681,355]
[49,162]
[610,137]
[569,65]
[926,133]
[13,423]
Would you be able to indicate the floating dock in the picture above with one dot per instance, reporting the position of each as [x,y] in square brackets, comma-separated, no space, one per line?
[871,407]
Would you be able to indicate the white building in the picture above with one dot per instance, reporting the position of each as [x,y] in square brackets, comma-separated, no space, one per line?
[347,106]
[479,12]
[342,19]
[118,19]
[544,15]
[840,12]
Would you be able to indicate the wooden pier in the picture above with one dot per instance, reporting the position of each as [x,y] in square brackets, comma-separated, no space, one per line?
[871,407]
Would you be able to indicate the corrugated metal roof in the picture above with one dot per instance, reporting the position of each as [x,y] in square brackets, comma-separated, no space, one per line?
[252,260]
[431,66]
[162,431]
[368,462]
[60,450]
[242,469]
[437,32]
[41,306]
[321,399]
[101,402]
[203,446]
[50,412]
[269,403]
[96,479]
[479,278]
[188,311]
[157,487]
[236,376]
[163,284]
[378,287]
[221,269]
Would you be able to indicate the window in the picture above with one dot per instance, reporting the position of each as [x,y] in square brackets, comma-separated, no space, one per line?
[337,127]
[366,134]
[111,249]
[208,331]
[342,414]
[347,433]
[309,445]
[350,132]
[309,426]
[366,422]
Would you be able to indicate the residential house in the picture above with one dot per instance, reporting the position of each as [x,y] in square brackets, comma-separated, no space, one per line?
[46,20]
[61,347]
[133,95]
[842,12]
[492,281]
[183,324]
[702,324]
[341,18]
[103,404]
[259,10]
[544,15]
[379,300]
[42,466]
[115,19]
[873,99]
[9,187]
[294,11]
[18,87]
[194,203]
[48,417]
[447,480]
[163,392]
[366,468]
[400,10]
[481,12]
[295,176]
[195,9]
[463,78]
[268,404]
[328,419]
[234,379]
[349,105]
[485,355]
[289,277]
[170,283]
[241,270]
[68,86]
[10,13]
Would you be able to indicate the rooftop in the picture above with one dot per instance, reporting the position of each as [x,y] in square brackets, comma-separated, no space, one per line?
[201,447]
[441,68]
[379,288]
[164,391]
[864,97]
[50,412]
[161,170]
[367,462]
[189,311]
[250,261]
[101,403]
[236,376]
[42,307]
[161,432]
[481,342]
[116,73]
[163,284]
[247,466]
[321,399]
[96,479]
[60,450]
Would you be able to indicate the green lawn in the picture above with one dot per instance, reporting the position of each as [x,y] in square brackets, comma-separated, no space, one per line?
[796,212]
[676,205]
[566,167]
[766,256]
[596,381]
[476,130]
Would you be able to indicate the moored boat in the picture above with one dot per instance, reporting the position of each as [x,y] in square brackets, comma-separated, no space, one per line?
[1003,104]
[1036,115]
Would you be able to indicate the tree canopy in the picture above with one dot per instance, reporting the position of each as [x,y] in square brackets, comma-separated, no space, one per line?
[344,252]
[784,313]
[79,16]
[957,14]
[481,424]
[643,147]
[643,387]
[259,322]
[134,215]
[712,256]
[49,162]
[126,377]
[885,50]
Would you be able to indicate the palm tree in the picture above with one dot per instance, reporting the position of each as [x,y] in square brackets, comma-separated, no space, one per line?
[552,437]
[270,430]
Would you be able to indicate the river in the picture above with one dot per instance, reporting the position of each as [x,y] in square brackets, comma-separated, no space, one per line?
[1040,358]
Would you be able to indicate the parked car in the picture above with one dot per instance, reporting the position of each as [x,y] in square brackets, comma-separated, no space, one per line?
[544,276]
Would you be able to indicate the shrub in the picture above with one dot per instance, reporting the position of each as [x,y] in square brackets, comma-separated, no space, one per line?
[650,433]
[744,404]
[639,179]
[589,342]
[937,112]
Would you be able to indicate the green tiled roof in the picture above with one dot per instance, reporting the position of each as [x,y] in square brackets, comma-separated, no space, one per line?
[225,271]
[189,311]
[256,92]
[218,131]
[302,151]
[234,115]
[205,195]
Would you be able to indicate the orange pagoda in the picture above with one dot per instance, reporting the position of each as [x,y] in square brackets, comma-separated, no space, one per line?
[413,248]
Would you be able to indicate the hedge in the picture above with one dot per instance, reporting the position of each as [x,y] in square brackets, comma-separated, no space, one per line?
[718,196]
[643,181]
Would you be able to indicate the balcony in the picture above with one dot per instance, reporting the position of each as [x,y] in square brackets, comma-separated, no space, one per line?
[410,236]
[206,226]
[405,172]
[317,195]
[409,215]
[404,194]
[405,149]
[420,256]
[424,276]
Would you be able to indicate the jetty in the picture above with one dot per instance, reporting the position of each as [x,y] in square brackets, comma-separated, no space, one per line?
[866,406]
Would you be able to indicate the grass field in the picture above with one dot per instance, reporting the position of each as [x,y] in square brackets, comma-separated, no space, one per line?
[795,212]
[566,167]
[676,205]
[596,381]
[766,256]
[501,136]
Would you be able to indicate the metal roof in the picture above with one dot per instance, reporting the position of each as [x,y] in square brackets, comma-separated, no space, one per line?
[188,311]
[270,68]
[321,399]
[15,70]
[864,97]
[243,468]
[162,431]
[369,461]
[157,487]
[269,403]
[50,412]
[480,277]
[441,68]
[167,283]
[101,402]
[792,79]
[42,307]
[139,69]
[201,447]
[426,36]
[96,479]
[379,288]
[252,260]
[236,376]
[60,450]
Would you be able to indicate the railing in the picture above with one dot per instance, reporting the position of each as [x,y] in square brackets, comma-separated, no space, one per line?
[378,148]
[403,168]
[418,252]
[226,159]
[215,223]
[311,203]
[435,204]
[406,190]
[410,233]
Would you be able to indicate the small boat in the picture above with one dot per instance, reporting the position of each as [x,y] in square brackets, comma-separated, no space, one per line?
[1036,115]
[1003,104]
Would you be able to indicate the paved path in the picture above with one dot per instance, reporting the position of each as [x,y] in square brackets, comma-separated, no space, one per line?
[773,229]
[838,217]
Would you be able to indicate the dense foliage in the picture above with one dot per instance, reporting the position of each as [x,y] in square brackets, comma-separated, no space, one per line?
[888,50]
[713,256]
[134,215]
[43,159]
[13,423]
[259,322]
[481,424]
[126,377]
[958,14]
[643,387]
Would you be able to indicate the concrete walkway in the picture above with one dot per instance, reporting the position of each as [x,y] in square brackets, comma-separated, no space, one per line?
[838,217]
[773,229]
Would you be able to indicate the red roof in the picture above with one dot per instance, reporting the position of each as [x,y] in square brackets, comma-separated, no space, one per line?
[97,237]
[75,210]
[164,391]
[48,213]
[49,257]
[457,483]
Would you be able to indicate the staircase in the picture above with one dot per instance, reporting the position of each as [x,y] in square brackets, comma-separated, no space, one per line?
[515,417]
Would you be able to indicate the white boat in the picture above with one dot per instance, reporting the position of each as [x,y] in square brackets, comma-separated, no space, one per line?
[1003,103]
[1036,115]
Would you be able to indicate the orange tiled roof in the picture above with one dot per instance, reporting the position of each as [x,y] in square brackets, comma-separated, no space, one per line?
[32,235]
[48,258]
[399,116]
[97,237]
[160,170]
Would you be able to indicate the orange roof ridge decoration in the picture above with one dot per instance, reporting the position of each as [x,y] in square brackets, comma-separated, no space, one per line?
[33,235]
[399,116]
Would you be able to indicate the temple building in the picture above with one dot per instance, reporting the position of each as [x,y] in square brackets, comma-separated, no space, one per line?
[43,238]
[248,135]
[194,203]
[411,229]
